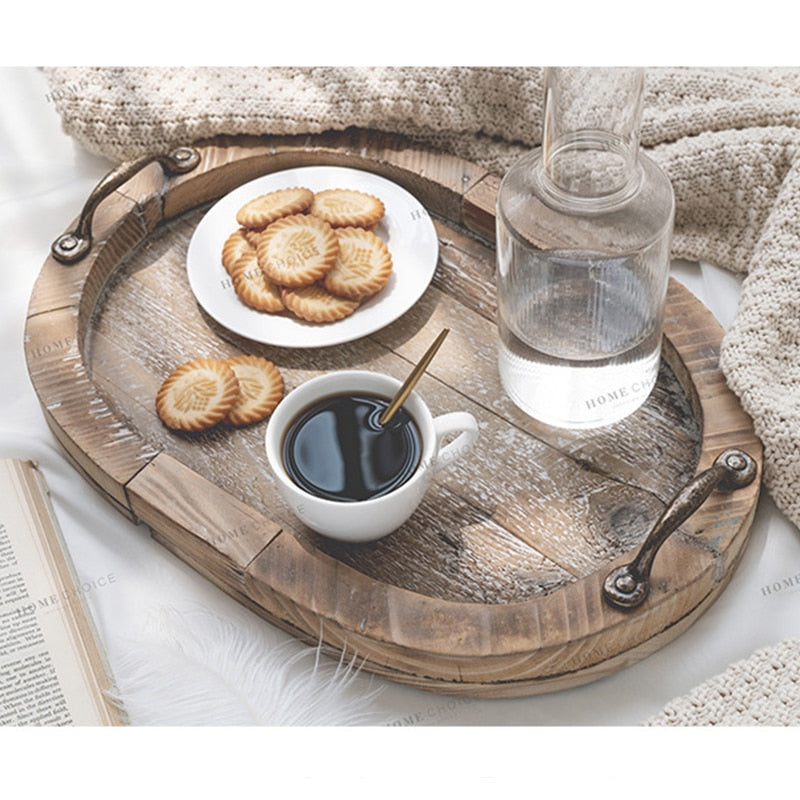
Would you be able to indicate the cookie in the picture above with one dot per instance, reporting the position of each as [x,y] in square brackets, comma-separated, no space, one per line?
[236,246]
[347,207]
[265,209]
[197,395]
[362,267]
[252,236]
[316,304]
[253,287]
[260,389]
[297,250]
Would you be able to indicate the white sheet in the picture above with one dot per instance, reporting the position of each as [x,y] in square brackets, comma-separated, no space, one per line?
[44,180]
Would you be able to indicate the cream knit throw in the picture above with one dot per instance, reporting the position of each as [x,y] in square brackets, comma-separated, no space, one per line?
[728,138]
[763,689]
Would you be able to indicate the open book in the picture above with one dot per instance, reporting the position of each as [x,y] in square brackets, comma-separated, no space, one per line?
[52,668]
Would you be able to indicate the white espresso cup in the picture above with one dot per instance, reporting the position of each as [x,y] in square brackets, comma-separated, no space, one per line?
[373,518]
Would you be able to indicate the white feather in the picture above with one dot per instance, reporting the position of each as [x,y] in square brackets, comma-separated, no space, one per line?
[197,668]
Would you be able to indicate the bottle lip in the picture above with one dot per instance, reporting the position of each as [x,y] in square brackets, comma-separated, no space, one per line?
[578,148]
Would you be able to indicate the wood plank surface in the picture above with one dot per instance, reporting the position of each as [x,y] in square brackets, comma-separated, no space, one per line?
[493,587]
[515,477]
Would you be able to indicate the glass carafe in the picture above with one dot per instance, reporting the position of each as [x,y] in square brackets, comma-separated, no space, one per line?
[584,224]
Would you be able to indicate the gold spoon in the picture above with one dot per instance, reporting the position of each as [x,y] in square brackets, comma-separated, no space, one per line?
[411,381]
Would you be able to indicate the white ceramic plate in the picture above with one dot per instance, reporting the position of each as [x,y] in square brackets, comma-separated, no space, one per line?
[406,228]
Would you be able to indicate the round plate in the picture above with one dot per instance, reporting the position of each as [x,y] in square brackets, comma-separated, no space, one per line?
[406,228]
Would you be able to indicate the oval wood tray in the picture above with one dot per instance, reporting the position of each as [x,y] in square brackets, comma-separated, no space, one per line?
[494,587]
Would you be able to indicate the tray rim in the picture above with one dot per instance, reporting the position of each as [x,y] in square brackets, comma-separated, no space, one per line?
[458,191]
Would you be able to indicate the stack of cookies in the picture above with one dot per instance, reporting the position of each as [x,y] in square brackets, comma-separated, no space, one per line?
[314,255]
[205,392]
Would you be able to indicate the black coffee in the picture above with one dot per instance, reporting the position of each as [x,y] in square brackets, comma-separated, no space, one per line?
[336,449]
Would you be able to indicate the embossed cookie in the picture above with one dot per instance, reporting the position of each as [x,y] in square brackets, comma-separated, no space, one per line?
[297,250]
[260,389]
[261,211]
[253,287]
[197,395]
[236,246]
[347,207]
[316,304]
[362,267]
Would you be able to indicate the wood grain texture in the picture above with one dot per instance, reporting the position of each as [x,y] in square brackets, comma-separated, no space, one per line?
[493,588]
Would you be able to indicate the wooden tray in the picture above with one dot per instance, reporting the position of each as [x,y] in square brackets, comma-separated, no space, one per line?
[493,588]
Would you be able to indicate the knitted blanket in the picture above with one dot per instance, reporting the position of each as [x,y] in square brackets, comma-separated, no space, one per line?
[728,138]
[763,689]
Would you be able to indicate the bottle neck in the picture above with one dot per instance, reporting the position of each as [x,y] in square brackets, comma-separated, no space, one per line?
[590,138]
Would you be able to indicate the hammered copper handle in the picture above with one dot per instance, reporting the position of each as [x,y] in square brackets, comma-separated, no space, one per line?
[628,585]
[75,244]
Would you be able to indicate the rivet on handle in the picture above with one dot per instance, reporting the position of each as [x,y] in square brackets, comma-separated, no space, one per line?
[629,585]
[75,244]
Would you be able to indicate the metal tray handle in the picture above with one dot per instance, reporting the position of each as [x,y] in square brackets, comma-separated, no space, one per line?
[629,585]
[75,244]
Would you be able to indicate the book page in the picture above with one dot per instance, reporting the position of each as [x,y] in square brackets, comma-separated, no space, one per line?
[51,667]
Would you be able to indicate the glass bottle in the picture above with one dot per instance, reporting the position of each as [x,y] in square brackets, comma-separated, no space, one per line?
[584,226]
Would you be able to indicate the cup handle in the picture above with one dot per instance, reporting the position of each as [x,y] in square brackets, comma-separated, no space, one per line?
[460,422]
